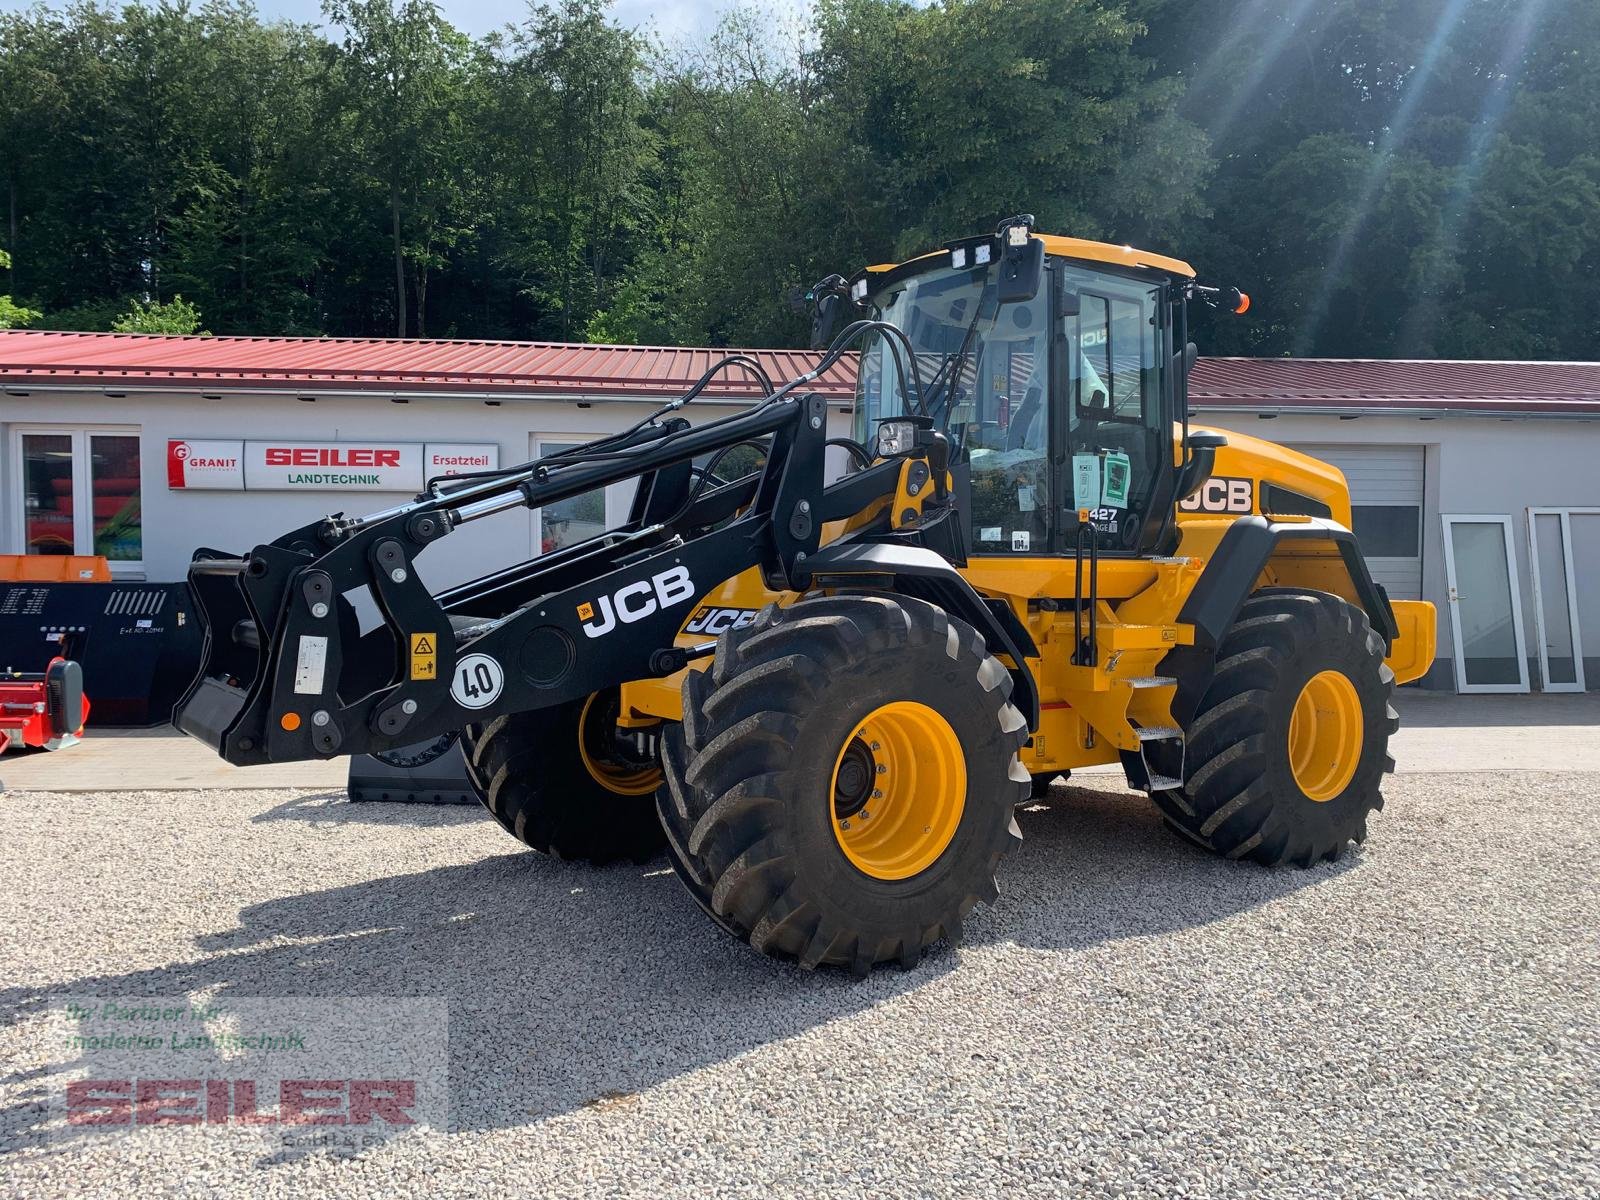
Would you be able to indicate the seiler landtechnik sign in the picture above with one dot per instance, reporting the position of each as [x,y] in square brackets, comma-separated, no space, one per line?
[196,464]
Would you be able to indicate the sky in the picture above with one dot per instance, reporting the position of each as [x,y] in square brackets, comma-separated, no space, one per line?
[672,19]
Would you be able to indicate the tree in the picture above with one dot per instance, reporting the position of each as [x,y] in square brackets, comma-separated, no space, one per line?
[13,315]
[401,72]
[176,316]
[568,157]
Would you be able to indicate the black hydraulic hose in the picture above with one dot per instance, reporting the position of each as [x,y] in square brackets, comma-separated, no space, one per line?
[586,455]
[833,354]
[750,365]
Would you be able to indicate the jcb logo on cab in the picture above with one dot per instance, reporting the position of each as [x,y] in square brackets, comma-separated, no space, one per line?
[1221,495]
[635,601]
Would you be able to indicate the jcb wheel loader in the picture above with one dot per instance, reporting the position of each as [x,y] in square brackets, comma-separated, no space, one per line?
[825,699]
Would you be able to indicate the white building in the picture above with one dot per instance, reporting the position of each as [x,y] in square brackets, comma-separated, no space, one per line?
[1476,485]
[1473,480]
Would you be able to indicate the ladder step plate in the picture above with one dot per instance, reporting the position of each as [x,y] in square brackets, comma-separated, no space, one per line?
[1148,681]
[1160,733]
[1164,783]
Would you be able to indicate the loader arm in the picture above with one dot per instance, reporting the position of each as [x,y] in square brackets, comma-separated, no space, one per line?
[285,678]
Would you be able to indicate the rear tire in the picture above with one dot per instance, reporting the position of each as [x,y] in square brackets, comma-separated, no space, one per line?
[1290,743]
[545,776]
[808,720]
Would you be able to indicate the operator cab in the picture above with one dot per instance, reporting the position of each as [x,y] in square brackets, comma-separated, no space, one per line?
[1058,399]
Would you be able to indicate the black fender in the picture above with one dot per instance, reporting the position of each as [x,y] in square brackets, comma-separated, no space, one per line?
[1229,578]
[926,575]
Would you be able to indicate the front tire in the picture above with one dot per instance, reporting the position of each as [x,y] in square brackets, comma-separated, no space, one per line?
[1289,746]
[553,779]
[841,789]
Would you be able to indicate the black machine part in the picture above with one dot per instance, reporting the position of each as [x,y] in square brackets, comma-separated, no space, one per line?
[429,772]
[285,677]
[137,643]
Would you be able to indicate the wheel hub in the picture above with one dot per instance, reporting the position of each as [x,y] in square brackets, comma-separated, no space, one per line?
[852,782]
[1325,735]
[899,789]
[607,761]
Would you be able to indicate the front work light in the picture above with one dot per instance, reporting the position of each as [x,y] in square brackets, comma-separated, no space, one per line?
[896,437]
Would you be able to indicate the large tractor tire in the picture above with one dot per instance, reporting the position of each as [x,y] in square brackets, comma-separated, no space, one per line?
[1288,748]
[557,780]
[842,786]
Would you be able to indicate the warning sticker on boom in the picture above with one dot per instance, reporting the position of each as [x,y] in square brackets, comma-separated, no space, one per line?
[310,665]
[424,656]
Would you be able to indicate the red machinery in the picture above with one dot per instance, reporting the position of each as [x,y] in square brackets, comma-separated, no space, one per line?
[45,708]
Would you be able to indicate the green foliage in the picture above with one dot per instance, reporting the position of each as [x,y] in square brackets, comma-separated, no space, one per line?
[175,316]
[1410,177]
[1398,177]
[13,315]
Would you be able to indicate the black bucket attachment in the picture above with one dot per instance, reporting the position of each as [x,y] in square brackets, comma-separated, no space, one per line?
[231,654]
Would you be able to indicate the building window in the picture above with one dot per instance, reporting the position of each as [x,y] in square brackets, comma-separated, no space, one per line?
[80,493]
[573,519]
[1388,530]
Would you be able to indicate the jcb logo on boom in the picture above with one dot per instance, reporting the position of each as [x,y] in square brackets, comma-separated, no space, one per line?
[716,620]
[635,601]
[1221,495]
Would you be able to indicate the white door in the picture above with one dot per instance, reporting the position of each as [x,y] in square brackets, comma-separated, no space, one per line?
[1555,600]
[1386,489]
[77,491]
[577,518]
[1480,562]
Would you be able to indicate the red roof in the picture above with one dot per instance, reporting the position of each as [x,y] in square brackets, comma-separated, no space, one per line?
[1397,385]
[383,364]
[387,365]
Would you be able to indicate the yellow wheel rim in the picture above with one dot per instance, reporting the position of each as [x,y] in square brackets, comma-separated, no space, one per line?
[899,787]
[618,777]
[1325,735]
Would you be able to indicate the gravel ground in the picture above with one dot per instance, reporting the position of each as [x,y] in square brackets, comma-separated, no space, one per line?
[1133,1018]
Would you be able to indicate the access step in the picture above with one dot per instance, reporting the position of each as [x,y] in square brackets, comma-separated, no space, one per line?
[1157,765]
[1148,681]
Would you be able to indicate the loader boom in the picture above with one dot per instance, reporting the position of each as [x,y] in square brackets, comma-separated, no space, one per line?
[288,676]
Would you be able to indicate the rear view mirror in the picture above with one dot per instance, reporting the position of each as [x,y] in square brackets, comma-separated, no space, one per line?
[829,305]
[1021,271]
[826,319]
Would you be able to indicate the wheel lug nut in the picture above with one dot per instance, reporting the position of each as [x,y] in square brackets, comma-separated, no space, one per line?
[844,824]
[877,794]
[882,770]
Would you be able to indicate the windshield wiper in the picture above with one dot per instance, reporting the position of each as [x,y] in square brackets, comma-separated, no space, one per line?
[955,363]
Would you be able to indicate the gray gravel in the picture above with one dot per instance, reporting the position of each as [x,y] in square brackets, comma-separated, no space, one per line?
[1134,1018]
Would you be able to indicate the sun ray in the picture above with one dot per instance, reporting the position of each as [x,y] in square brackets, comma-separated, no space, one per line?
[1496,104]
[1377,175]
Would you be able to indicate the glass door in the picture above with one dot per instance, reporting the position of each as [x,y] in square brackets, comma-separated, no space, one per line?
[577,518]
[1485,604]
[1555,600]
[49,520]
[80,494]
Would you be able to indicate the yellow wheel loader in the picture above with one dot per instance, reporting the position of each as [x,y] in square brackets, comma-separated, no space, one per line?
[824,698]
